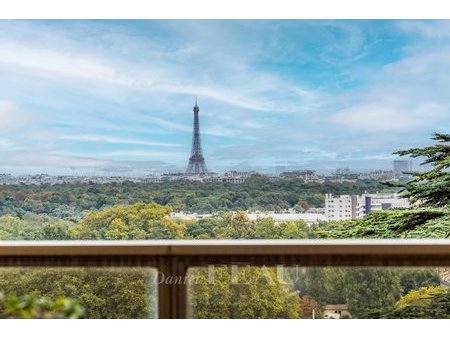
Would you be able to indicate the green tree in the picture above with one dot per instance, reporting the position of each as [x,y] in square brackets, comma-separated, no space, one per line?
[293,230]
[371,288]
[432,187]
[411,279]
[238,226]
[205,228]
[326,285]
[421,297]
[247,292]
[316,284]
[266,228]
[11,227]
[117,230]
[139,221]
[423,305]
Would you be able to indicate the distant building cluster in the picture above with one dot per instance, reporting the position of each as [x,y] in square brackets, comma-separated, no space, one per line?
[402,170]
[232,177]
[378,175]
[348,207]
[41,179]
[305,175]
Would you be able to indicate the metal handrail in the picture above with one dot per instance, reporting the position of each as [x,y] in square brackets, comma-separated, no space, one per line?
[421,247]
[174,257]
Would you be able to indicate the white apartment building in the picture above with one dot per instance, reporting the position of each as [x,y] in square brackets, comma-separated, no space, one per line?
[348,207]
[343,207]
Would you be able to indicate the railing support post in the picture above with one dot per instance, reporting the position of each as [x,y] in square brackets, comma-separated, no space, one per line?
[172,295]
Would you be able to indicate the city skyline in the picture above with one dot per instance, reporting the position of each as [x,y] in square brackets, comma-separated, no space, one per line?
[116,96]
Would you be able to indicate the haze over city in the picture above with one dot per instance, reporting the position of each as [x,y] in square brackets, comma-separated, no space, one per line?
[117,96]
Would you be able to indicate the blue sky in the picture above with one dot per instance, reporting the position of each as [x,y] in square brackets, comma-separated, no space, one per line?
[116,96]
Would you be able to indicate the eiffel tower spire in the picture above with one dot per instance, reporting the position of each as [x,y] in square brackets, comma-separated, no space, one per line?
[196,164]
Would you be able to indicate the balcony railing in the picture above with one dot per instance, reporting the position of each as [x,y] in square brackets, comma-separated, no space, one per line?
[173,258]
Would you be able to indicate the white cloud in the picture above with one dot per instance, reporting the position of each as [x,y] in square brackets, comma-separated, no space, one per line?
[220,131]
[169,124]
[150,154]
[53,160]
[8,145]
[381,117]
[55,62]
[12,117]
[116,140]
[406,96]
[65,58]
[227,95]
[345,43]
[429,28]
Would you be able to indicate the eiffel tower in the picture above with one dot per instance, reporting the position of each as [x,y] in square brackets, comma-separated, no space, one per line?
[196,164]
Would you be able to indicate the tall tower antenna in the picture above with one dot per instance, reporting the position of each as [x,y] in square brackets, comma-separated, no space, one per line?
[196,165]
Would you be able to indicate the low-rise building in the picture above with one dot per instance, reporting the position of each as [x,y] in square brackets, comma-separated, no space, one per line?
[336,311]
[348,207]
[374,202]
[308,218]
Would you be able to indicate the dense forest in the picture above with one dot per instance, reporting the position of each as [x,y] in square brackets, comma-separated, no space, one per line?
[47,211]
[72,201]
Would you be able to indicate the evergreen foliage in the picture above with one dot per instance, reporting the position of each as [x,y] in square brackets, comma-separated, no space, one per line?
[438,307]
[394,223]
[430,188]
[421,297]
